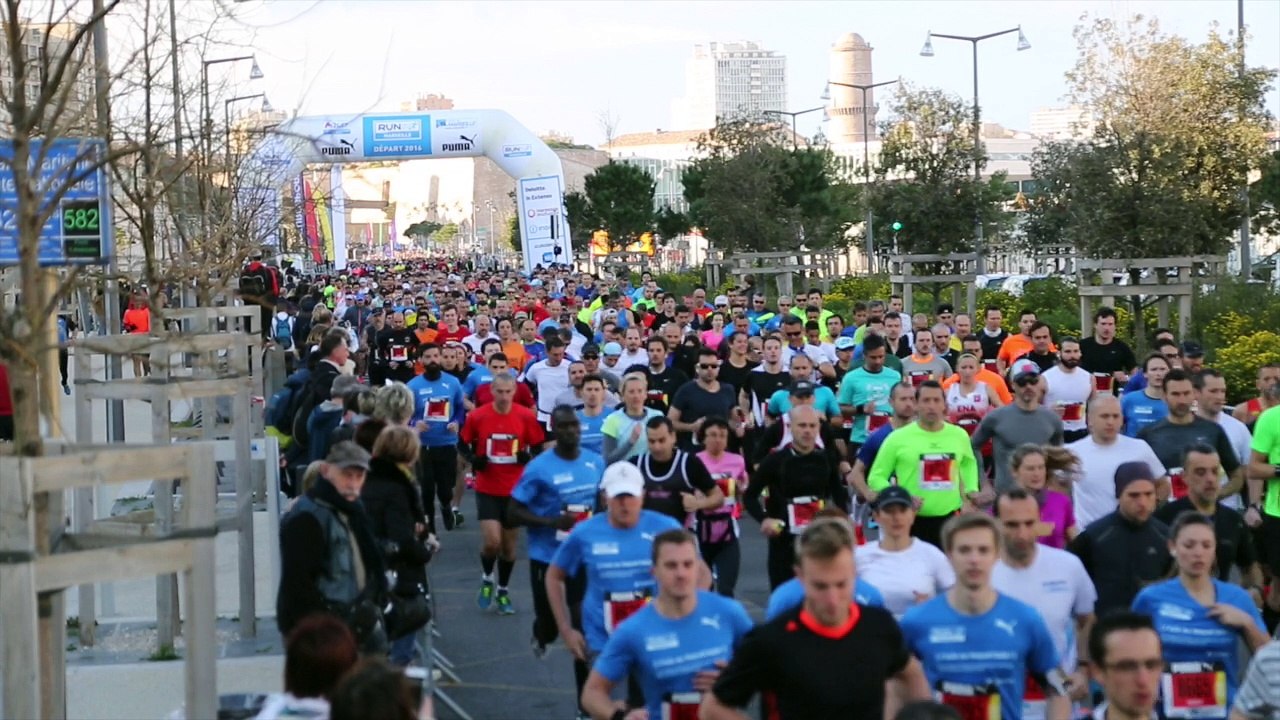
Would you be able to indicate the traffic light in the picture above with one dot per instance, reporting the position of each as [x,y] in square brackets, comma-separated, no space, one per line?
[896,226]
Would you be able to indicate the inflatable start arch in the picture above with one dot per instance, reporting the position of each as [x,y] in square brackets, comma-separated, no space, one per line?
[337,139]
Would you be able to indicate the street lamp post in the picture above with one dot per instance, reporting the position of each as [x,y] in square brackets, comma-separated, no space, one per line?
[795,143]
[493,248]
[226,118]
[206,123]
[866,158]
[927,51]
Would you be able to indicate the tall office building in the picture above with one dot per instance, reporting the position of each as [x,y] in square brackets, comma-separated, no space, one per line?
[43,47]
[730,80]
[1062,123]
[848,107]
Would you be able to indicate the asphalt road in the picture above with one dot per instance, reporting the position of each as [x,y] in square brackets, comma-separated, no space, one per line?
[501,679]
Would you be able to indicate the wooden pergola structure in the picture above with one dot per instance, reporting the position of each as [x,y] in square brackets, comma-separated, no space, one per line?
[958,270]
[819,266]
[39,560]
[1170,280]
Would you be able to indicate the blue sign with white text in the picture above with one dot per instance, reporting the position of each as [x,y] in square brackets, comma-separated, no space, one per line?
[70,179]
[389,136]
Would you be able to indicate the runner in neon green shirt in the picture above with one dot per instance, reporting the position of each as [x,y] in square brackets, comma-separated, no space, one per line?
[933,460]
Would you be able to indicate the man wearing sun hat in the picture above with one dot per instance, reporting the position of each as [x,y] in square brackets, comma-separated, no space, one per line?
[1023,421]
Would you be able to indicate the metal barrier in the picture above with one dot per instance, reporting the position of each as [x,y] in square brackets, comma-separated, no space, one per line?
[433,660]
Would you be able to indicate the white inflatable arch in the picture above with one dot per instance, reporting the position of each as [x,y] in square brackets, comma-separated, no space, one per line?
[338,139]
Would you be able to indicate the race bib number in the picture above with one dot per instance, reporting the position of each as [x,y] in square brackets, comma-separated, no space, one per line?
[1072,412]
[438,409]
[973,702]
[1177,484]
[657,396]
[681,706]
[1034,701]
[919,376]
[1194,690]
[875,421]
[580,513]
[991,365]
[621,605]
[399,353]
[969,423]
[848,423]
[1102,382]
[728,485]
[800,512]
[502,449]
[935,472]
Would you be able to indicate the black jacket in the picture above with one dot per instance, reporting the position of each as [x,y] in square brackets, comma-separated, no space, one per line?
[306,560]
[786,475]
[391,500]
[1122,557]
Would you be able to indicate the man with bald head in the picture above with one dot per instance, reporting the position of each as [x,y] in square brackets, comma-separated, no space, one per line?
[1100,453]
[801,478]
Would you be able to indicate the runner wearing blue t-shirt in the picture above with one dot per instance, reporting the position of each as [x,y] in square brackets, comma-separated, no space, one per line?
[593,412]
[1146,406]
[977,645]
[613,549]
[675,645]
[558,490]
[1200,620]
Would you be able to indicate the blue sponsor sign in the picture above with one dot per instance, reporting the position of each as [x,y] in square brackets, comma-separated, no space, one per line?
[397,136]
[69,174]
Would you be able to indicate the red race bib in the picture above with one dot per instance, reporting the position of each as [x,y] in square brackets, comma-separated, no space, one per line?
[1194,690]
[875,421]
[620,606]
[991,365]
[919,376]
[681,706]
[399,353]
[935,472]
[580,513]
[974,702]
[438,409]
[1072,412]
[1102,382]
[1177,485]
[800,512]
[501,449]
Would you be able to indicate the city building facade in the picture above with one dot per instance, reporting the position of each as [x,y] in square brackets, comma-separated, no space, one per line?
[730,80]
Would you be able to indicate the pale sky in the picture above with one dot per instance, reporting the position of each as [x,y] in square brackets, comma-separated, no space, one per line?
[559,65]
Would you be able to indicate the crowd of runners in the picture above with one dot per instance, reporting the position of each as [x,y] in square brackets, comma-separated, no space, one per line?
[1003,524]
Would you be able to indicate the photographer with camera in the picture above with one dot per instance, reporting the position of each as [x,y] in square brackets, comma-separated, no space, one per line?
[330,556]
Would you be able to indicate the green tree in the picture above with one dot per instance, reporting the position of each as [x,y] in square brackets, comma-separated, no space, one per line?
[513,233]
[618,199]
[1264,196]
[753,191]
[1177,128]
[924,177]
[422,229]
[446,233]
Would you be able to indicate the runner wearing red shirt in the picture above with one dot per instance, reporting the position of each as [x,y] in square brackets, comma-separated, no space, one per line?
[449,329]
[498,439]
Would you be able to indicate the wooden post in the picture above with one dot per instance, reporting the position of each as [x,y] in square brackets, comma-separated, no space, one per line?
[200,510]
[21,645]
[244,497]
[83,508]
[908,292]
[167,626]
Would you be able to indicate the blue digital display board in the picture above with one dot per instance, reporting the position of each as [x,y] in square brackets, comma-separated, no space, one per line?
[69,175]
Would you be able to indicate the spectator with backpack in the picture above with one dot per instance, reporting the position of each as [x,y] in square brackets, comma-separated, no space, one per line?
[260,285]
[282,329]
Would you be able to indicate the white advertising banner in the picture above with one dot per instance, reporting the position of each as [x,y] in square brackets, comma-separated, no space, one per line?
[541,204]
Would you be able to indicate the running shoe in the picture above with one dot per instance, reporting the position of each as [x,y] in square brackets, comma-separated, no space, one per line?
[485,597]
[504,604]
[457,518]
[539,650]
